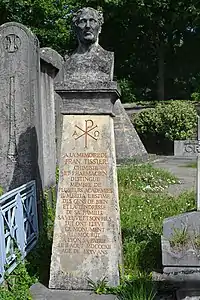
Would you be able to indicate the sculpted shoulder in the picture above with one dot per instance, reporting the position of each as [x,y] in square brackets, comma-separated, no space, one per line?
[96,64]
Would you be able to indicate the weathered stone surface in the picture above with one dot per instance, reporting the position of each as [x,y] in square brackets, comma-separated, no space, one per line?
[186,148]
[86,241]
[188,294]
[51,57]
[55,60]
[184,251]
[86,86]
[40,292]
[96,65]
[20,135]
[127,141]
[98,102]
[50,64]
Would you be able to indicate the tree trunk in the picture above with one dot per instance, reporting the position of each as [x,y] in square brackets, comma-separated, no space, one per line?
[161,73]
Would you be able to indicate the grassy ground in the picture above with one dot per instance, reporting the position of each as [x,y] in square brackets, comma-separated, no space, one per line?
[190,165]
[144,204]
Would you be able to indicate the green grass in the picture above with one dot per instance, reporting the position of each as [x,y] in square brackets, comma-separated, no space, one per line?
[144,204]
[142,213]
[190,165]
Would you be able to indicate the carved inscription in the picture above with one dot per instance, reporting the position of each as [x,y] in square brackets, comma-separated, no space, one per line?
[85,202]
[192,147]
[12,122]
[90,130]
[11,43]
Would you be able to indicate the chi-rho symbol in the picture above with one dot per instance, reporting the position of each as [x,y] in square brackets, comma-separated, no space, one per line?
[88,131]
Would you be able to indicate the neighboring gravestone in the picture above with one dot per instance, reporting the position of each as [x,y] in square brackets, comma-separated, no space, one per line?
[50,63]
[181,233]
[87,239]
[20,135]
[127,142]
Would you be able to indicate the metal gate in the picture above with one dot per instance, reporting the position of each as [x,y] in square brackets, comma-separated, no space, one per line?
[18,226]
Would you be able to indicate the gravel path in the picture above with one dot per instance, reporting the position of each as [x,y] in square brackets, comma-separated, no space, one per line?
[178,167]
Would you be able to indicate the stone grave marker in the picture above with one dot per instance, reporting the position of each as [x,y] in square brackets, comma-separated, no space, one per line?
[127,141]
[19,105]
[27,107]
[181,233]
[191,148]
[87,238]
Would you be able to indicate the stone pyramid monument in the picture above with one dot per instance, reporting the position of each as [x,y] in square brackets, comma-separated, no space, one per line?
[127,142]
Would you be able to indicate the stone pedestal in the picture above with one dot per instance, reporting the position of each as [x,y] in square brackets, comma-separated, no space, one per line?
[87,240]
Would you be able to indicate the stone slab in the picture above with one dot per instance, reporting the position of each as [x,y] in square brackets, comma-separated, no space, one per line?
[20,128]
[87,239]
[99,102]
[51,57]
[186,148]
[40,292]
[127,142]
[188,294]
[188,253]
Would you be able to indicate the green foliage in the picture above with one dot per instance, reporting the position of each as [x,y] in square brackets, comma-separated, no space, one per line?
[36,265]
[195,96]
[17,284]
[48,19]
[179,238]
[57,174]
[142,214]
[127,91]
[138,289]
[39,258]
[190,165]
[145,178]
[1,191]
[174,121]
[99,287]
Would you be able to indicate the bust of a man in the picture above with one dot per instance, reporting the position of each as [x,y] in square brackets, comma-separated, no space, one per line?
[89,62]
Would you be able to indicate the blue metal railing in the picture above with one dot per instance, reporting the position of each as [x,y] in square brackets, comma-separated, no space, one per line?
[18,225]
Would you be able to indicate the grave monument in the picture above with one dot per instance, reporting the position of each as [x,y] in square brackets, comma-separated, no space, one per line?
[19,105]
[27,108]
[181,234]
[87,239]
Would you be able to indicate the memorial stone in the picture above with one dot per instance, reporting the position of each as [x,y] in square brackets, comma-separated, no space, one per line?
[181,233]
[127,142]
[20,135]
[87,239]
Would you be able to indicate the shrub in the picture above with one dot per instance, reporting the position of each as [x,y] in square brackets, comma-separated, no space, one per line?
[167,122]
[195,96]
[127,91]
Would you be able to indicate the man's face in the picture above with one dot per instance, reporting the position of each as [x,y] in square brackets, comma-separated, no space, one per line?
[88,27]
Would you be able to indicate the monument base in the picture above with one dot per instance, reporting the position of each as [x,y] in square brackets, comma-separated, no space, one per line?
[40,292]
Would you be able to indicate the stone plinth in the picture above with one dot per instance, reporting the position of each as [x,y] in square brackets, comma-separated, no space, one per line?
[87,241]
